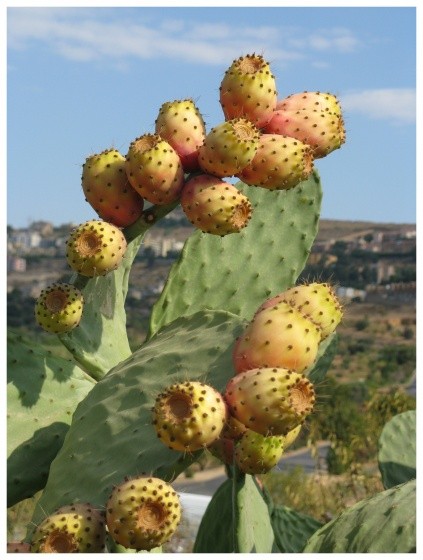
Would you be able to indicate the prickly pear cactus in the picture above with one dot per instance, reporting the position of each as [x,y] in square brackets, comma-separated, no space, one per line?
[385,522]
[80,429]
[397,449]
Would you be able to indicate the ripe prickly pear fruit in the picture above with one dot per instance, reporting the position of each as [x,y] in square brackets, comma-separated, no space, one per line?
[72,528]
[95,248]
[258,454]
[310,101]
[229,147]
[18,547]
[214,206]
[59,307]
[278,336]
[189,416]
[270,401]
[154,169]
[321,130]
[248,90]
[316,300]
[143,513]
[181,124]
[280,162]
[223,449]
[107,189]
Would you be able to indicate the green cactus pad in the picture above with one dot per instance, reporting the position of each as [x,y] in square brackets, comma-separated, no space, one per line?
[238,272]
[385,522]
[112,435]
[100,342]
[327,350]
[42,394]
[397,449]
[292,529]
[236,520]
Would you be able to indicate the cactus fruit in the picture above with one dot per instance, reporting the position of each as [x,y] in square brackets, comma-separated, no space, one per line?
[270,401]
[280,162]
[310,101]
[18,547]
[321,130]
[180,123]
[317,301]
[229,147]
[291,436]
[278,336]
[248,90]
[77,527]
[95,248]
[154,169]
[142,513]
[258,454]
[59,307]
[189,416]
[214,206]
[107,189]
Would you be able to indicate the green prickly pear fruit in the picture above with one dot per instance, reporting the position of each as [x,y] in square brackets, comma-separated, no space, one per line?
[270,401]
[107,189]
[189,416]
[154,169]
[229,147]
[248,90]
[280,163]
[181,124]
[77,527]
[278,336]
[59,307]
[258,454]
[316,301]
[95,248]
[214,206]
[310,101]
[143,513]
[18,547]
[323,131]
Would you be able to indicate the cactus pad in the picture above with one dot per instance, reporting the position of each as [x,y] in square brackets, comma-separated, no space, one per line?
[229,273]
[397,449]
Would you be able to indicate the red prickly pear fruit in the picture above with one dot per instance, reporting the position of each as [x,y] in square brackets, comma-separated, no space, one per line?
[143,513]
[270,401]
[229,147]
[95,248]
[248,90]
[74,528]
[321,130]
[310,101]
[258,454]
[107,189]
[316,300]
[18,547]
[223,449]
[181,124]
[189,416]
[280,162]
[278,336]
[214,206]
[59,307]
[154,169]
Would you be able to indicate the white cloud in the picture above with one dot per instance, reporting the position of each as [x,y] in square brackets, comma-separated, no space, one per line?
[92,34]
[395,105]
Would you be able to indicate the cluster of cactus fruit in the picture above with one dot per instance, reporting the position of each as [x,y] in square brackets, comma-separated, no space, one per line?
[224,369]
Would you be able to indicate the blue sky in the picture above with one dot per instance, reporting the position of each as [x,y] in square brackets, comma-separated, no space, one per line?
[80,80]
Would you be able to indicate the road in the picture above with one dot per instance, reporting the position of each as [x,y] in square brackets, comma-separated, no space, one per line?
[207,482]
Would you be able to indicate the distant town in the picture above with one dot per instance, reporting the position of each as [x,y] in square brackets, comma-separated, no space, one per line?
[372,262]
